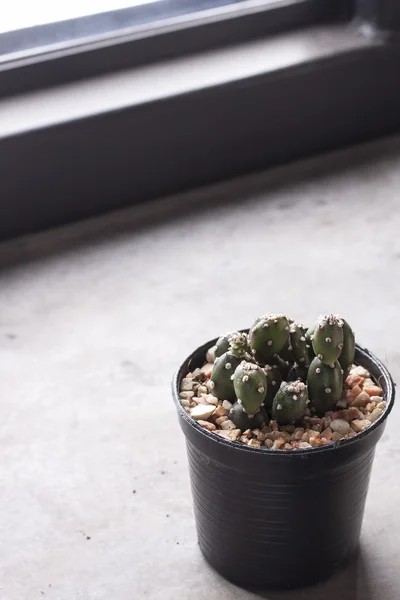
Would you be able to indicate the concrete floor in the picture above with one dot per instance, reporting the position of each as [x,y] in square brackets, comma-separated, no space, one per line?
[94,318]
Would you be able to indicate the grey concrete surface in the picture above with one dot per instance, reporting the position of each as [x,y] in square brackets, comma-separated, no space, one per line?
[94,318]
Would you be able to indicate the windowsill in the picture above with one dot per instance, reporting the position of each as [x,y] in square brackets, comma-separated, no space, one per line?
[153,83]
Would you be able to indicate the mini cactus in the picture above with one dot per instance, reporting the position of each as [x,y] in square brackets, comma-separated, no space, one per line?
[325,385]
[268,336]
[346,358]
[298,343]
[243,420]
[250,385]
[221,377]
[222,344]
[290,403]
[328,339]
[239,345]
[274,380]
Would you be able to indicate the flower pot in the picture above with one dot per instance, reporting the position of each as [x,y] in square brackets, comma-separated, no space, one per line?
[279,518]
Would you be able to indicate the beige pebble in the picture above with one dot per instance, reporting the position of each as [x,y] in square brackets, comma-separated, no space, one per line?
[354,413]
[186,385]
[381,404]
[261,437]
[254,443]
[336,436]
[186,394]
[313,441]
[360,424]
[202,389]
[207,369]
[228,425]
[268,443]
[232,435]
[210,356]
[207,425]
[211,399]
[304,445]
[361,400]
[278,444]
[221,420]
[185,402]
[227,405]
[220,411]
[298,432]
[327,433]
[247,433]
[359,371]
[244,439]
[256,432]
[195,373]
[373,391]
[202,412]
[376,413]
[340,426]
[287,447]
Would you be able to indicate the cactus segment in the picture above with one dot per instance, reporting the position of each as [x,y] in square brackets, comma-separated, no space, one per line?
[325,385]
[244,421]
[268,336]
[328,339]
[290,403]
[346,358]
[298,342]
[274,380]
[221,377]
[239,345]
[222,344]
[250,385]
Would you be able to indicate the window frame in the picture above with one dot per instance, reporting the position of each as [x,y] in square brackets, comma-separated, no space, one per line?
[81,167]
[163,40]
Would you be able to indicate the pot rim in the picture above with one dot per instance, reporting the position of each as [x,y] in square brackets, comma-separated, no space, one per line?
[389,395]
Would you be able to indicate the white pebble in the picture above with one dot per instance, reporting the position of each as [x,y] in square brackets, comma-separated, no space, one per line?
[304,445]
[226,405]
[186,385]
[210,399]
[202,412]
[376,413]
[360,424]
[340,426]
[186,395]
[359,371]
[210,356]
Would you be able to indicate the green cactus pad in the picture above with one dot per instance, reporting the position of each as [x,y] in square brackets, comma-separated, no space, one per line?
[243,421]
[325,385]
[222,344]
[274,380]
[346,358]
[328,339]
[290,403]
[287,354]
[268,336]
[298,342]
[250,385]
[221,377]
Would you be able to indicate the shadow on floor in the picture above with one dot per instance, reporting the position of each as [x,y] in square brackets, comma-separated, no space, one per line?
[351,583]
[156,213]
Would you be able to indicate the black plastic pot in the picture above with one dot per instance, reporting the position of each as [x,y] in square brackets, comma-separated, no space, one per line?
[273,518]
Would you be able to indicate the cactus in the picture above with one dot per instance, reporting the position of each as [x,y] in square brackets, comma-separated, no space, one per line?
[325,385]
[346,358]
[222,344]
[299,344]
[328,339]
[243,420]
[251,370]
[239,345]
[250,385]
[221,382]
[274,380]
[290,403]
[268,336]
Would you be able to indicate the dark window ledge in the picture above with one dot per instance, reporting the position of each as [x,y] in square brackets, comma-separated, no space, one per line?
[84,148]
